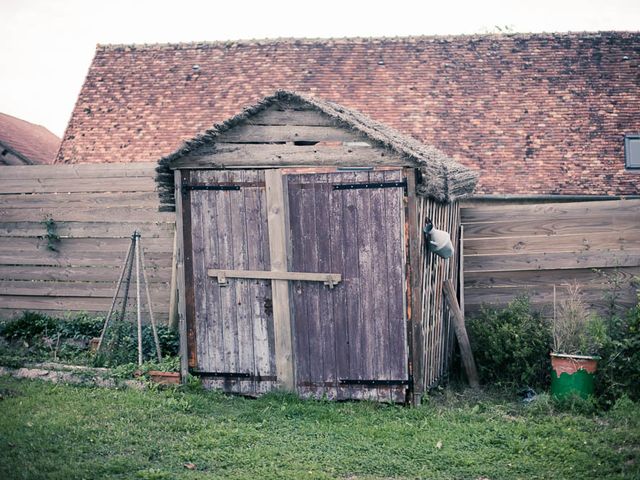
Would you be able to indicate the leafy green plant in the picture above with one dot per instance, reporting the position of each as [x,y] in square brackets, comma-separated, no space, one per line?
[38,337]
[511,345]
[51,233]
[120,345]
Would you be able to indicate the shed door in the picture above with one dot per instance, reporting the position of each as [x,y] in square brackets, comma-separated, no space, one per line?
[350,342]
[233,322]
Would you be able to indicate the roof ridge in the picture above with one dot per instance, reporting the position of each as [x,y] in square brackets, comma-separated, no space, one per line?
[372,39]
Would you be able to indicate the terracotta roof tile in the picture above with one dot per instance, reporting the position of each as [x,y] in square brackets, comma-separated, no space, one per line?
[32,143]
[537,114]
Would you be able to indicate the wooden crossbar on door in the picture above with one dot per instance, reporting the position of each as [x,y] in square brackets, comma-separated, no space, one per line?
[330,279]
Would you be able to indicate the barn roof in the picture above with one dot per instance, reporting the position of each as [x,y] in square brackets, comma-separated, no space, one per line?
[30,142]
[446,179]
[537,114]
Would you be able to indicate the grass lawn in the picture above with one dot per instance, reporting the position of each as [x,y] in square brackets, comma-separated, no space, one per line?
[65,432]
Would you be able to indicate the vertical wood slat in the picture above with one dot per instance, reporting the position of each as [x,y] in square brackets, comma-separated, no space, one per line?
[340,295]
[415,282]
[182,310]
[322,202]
[278,246]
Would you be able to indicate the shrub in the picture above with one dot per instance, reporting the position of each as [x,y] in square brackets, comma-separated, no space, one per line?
[511,345]
[619,370]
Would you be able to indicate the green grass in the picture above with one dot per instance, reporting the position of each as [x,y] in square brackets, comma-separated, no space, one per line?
[65,432]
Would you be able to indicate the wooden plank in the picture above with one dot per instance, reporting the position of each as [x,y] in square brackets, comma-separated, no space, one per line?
[552,261]
[77,304]
[71,245]
[461,333]
[201,317]
[181,280]
[227,308]
[71,289]
[414,302]
[311,292]
[260,156]
[290,133]
[173,288]
[243,293]
[107,273]
[84,214]
[79,171]
[156,260]
[541,297]
[395,258]
[69,185]
[549,211]
[612,224]
[532,278]
[93,229]
[366,327]
[81,200]
[278,116]
[209,321]
[352,224]
[380,281]
[221,274]
[300,317]
[258,259]
[584,242]
[461,273]
[336,227]
[278,246]
[71,313]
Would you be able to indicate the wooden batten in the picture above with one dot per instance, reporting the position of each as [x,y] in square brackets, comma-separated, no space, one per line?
[180,277]
[414,301]
[278,246]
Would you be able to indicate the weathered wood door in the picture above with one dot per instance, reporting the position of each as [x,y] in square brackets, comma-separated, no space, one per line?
[350,341]
[232,322]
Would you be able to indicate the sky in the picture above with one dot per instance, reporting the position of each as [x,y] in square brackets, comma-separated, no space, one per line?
[47,46]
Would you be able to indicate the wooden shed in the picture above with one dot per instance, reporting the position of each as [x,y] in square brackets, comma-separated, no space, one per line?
[301,259]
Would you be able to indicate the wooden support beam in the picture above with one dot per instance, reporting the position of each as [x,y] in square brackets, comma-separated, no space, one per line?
[277,216]
[330,279]
[461,333]
[182,306]
[414,261]
[173,287]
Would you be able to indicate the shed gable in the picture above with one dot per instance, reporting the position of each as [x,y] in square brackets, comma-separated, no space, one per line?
[289,134]
[243,141]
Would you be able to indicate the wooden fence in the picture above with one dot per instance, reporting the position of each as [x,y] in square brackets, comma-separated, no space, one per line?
[511,249]
[94,209]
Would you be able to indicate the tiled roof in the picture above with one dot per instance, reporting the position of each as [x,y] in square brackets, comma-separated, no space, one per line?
[32,143]
[537,114]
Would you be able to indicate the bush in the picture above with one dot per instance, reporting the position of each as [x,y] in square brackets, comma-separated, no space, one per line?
[619,370]
[511,345]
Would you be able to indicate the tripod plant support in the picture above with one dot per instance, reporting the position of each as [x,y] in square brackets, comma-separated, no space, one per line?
[135,251]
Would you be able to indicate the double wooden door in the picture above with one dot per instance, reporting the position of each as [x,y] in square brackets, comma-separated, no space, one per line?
[348,339]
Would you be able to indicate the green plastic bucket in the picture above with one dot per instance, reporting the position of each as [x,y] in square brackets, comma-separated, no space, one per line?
[572,375]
